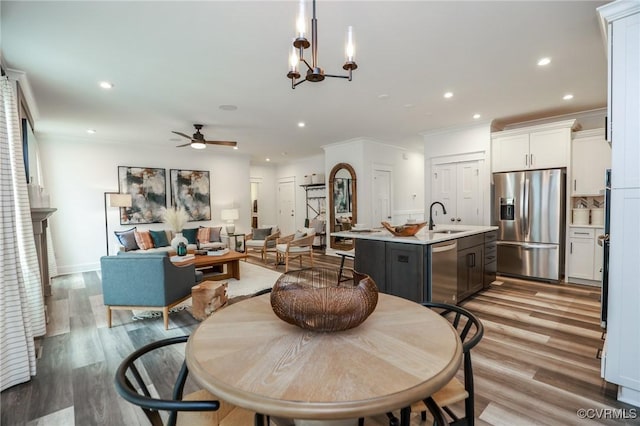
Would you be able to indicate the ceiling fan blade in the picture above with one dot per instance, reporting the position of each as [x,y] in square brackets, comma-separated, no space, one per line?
[223,143]
[181,134]
[186,144]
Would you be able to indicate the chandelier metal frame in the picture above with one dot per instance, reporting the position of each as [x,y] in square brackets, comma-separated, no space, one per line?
[314,72]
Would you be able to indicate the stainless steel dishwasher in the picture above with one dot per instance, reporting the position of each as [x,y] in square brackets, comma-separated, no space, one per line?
[443,282]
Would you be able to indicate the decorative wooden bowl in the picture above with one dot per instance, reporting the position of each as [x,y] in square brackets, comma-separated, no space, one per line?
[315,299]
[408,230]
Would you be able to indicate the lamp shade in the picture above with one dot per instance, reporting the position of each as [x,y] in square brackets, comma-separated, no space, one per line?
[229,214]
[120,200]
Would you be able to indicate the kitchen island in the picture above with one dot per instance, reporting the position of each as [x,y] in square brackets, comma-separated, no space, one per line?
[447,265]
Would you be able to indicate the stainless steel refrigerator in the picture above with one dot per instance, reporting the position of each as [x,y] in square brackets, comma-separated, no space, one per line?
[529,209]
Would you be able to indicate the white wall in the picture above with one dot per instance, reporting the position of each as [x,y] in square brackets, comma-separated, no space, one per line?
[265,176]
[77,174]
[460,141]
[365,156]
[297,170]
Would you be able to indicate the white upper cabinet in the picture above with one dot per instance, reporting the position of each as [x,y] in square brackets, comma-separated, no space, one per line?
[590,157]
[544,146]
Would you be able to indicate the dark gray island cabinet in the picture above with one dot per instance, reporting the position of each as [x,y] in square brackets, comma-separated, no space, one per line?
[445,265]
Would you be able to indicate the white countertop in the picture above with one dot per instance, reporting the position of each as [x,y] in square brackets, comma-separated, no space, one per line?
[423,237]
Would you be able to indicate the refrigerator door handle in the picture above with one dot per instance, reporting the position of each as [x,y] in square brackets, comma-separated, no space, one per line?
[525,216]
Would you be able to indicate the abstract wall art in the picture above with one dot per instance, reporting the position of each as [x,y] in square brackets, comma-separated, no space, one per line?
[148,189]
[191,189]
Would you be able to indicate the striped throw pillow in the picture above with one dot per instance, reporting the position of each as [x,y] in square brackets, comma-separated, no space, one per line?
[144,240]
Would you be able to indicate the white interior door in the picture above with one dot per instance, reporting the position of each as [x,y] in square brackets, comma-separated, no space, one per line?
[457,186]
[443,189]
[382,197]
[468,193]
[286,207]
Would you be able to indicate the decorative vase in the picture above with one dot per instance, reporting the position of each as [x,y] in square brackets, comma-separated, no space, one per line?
[177,239]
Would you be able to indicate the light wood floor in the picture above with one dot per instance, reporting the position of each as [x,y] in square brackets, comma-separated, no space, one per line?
[535,365]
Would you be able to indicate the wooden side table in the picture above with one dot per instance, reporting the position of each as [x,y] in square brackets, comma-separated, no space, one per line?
[207,297]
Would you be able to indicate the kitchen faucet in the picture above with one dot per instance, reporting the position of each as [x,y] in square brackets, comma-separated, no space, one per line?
[444,211]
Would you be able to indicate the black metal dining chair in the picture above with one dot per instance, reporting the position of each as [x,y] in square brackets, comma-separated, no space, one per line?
[470,330]
[200,401]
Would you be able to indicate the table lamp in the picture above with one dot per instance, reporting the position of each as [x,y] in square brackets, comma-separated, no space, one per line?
[230,215]
[115,200]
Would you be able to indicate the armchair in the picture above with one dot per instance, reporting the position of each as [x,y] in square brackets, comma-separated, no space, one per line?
[145,281]
[295,245]
[264,246]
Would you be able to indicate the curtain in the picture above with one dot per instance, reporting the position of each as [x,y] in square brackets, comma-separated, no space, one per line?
[21,301]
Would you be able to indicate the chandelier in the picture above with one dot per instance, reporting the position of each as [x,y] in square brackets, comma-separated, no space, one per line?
[314,72]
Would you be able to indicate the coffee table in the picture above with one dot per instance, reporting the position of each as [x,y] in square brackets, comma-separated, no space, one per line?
[231,260]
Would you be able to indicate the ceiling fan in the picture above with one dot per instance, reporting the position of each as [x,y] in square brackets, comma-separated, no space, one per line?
[198,141]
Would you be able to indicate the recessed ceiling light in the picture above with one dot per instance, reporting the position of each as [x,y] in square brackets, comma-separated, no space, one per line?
[267,159]
[235,147]
[567,97]
[301,124]
[228,107]
[408,105]
[383,96]
[284,153]
[448,95]
[91,131]
[544,61]
[476,116]
[106,85]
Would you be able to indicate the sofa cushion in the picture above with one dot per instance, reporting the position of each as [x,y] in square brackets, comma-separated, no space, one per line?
[127,239]
[203,234]
[143,238]
[299,234]
[214,235]
[261,233]
[159,238]
[191,235]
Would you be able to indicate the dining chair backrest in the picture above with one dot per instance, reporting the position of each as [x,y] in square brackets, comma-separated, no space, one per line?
[142,397]
[470,330]
[139,393]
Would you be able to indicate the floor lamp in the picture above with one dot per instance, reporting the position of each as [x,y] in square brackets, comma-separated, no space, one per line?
[115,200]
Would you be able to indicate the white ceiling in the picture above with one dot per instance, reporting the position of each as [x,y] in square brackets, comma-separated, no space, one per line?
[174,63]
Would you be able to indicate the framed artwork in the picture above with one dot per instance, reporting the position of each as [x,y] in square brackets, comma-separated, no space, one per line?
[191,189]
[341,195]
[148,189]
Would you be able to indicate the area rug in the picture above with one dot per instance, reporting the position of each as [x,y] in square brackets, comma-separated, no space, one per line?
[253,278]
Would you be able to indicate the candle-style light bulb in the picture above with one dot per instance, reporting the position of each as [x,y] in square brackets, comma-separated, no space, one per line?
[351,48]
[301,23]
[293,59]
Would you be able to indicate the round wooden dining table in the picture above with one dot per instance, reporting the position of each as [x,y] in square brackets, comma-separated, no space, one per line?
[245,355]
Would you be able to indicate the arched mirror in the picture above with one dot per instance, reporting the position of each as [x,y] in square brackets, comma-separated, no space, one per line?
[342,204]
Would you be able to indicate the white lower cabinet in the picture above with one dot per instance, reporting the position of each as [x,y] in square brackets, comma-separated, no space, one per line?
[585,255]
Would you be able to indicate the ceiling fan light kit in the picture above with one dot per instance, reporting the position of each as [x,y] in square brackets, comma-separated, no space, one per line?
[198,141]
[314,72]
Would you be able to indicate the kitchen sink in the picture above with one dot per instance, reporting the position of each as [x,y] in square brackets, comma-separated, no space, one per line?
[448,231]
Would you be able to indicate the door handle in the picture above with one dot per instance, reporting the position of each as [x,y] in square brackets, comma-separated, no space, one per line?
[531,161]
[526,159]
[571,248]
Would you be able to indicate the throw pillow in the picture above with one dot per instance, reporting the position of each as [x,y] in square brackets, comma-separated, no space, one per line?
[261,233]
[127,239]
[143,238]
[214,236]
[191,235]
[159,238]
[299,234]
[203,234]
